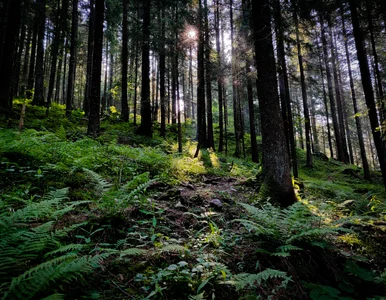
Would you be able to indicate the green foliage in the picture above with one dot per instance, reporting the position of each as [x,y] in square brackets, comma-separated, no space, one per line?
[33,258]
[246,280]
[287,229]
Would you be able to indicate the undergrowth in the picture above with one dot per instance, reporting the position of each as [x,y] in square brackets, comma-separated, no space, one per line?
[123,216]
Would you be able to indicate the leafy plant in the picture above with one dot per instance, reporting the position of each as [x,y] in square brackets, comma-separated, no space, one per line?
[287,229]
[33,257]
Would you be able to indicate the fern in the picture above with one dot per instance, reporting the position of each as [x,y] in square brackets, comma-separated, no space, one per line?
[101,184]
[172,248]
[132,252]
[32,257]
[285,229]
[247,280]
[65,268]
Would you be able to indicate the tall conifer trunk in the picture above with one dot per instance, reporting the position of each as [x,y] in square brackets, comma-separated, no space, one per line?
[73,58]
[95,88]
[124,58]
[277,181]
[368,89]
[146,122]
[39,70]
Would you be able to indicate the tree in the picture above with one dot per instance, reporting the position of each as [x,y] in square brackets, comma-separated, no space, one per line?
[7,57]
[124,58]
[162,61]
[307,121]
[276,168]
[358,122]
[39,71]
[201,114]
[368,89]
[90,48]
[95,89]
[285,97]
[208,78]
[73,58]
[54,54]
[146,123]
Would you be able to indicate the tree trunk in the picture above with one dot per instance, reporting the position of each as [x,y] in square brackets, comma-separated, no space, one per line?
[252,127]
[339,96]
[337,133]
[95,88]
[307,122]
[284,91]
[124,57]
[208,78]
[358,121]
[17,66]
[39,71]
[277,182]
[31,71]
[162,72]
[219,77]
[8,55]
[236,119]
[90,48]
[201,115]
[23,87]
[54,54]
[73,57]
[146,124]
[378,77]
[368,90]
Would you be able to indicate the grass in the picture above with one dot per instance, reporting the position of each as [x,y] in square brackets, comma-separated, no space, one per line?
[145,227]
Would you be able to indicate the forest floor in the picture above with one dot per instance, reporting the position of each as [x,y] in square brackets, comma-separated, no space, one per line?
[125,217]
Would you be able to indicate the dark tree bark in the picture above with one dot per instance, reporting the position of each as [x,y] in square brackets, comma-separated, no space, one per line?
[162,72]
[378,77]
[24,82]
[219,77]
[124,57]
[368,89]
[338,96]
[54,54]
[208,78]
[146,124]
[307,121]
[90,48]
[95,88]
[17,65]
[358,122]
[39,70]
[7,58]
[276,167]
[236,114]
[201,114]
[251,106]
[285,97]
[31,71]
[73,58]
[325,102]
[136,80]
[337,131]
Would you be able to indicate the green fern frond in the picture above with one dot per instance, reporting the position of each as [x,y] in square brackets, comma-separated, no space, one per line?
[66,248]
[243,280]
[65,268]
[101,184]
[172,248]
[132,252]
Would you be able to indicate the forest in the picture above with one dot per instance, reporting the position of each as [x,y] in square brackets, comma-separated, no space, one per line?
[192,149]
